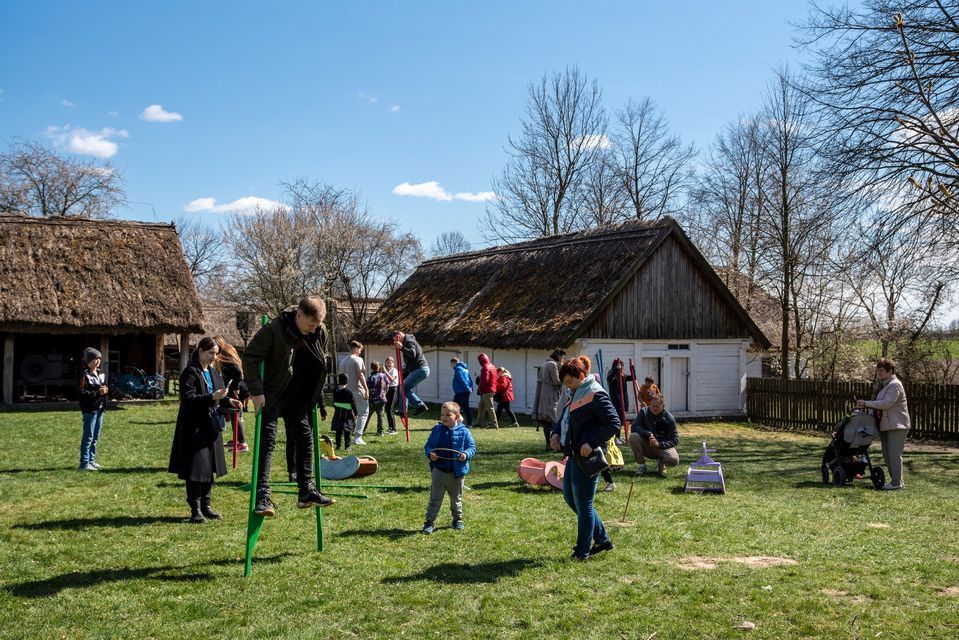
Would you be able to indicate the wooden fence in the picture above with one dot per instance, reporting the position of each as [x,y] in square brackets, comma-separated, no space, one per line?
[817,405]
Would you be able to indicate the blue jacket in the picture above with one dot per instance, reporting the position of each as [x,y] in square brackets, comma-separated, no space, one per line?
[462,440]
[462,382]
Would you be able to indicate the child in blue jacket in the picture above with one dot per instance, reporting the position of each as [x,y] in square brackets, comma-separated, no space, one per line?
[448,469]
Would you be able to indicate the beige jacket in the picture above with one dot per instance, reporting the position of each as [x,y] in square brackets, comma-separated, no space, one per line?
[891,400]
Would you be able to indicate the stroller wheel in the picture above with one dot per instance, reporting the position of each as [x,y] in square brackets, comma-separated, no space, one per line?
[825,474]
[878,478]
[839,476]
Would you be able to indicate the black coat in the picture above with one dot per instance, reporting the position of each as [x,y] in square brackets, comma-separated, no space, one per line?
[197,452]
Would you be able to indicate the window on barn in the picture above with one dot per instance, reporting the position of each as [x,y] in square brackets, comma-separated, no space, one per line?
[678,347]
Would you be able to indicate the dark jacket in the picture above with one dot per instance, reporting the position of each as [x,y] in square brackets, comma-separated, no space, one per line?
[344,410]
[377,383]
[413,357]
[592,419]
[458,438]
[197,452]
[275,345]
[662,426]
[617,390]
[233,378]
[91,401]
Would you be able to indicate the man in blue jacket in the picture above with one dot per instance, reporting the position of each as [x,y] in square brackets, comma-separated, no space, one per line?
[654,435]
[462,388]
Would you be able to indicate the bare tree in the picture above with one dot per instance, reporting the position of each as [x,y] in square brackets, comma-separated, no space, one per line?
[204,252]
[887,76]
[564,125]
[38,181]
[652,165]
[600,199]
[449,243]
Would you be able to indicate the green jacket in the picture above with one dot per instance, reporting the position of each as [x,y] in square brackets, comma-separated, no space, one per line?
[274,346]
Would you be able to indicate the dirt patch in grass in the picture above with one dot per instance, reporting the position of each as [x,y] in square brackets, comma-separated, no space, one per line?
[878,525]
[951,592]
[695,563]
[840,594]
[835,593]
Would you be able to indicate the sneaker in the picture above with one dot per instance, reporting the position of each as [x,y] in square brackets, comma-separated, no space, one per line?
[609,487]
[578,557]
[228,445]
[379,434]
[427,528]
[96,466]
[661,469]
[641,471]
[87,467]
[599,548]
[619,441]
[891,487]
[360,441]
[264,507]
[392,432]
[458,525]
[313,498]
[515,424]
[243,447]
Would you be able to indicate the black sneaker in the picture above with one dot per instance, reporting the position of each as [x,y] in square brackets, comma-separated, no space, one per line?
[428,527]
[599,548]
[264,507]
[314,498]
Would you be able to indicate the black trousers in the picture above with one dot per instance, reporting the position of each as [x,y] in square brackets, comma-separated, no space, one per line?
[502,407]
[198,494]
[390,400]
[295,412]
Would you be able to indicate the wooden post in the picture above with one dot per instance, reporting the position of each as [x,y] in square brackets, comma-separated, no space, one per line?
[105,363]
[160,360]
[184,350]
[8,369]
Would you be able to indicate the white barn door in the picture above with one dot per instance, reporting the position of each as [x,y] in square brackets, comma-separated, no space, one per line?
[678,395]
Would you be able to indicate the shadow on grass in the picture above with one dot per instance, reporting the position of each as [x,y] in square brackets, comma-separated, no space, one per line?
[37,470]
[79,579]
[132,470]
[497,485]
[460,573]
[88,523]
[155,423]
[392,534]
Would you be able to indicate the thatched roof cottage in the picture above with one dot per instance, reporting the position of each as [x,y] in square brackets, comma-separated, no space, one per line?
[640,290]
[68,283]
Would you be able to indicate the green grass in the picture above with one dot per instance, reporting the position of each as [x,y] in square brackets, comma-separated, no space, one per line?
[109,554]
[872,349]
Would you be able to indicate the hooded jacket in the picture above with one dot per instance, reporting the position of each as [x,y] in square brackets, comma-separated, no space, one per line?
[487,376]
[460,439]
[504,387]
[275,346]
[462,383]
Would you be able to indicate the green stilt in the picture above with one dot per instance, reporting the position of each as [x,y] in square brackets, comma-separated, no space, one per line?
[254,523]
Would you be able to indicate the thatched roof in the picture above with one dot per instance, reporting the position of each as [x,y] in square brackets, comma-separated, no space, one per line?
[538,294]
[71,275]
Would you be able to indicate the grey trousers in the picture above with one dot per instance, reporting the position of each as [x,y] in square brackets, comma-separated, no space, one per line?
[893,444]
[442,483]
[642,450]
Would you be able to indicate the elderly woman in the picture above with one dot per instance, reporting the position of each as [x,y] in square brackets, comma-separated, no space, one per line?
[197,453]
[894,422]
[587,423]
[548,391]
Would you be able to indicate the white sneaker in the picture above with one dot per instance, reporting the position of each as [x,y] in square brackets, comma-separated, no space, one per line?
[641,471]
[88,467]
[359,441]
[96,466]
[609,487]
[891,487]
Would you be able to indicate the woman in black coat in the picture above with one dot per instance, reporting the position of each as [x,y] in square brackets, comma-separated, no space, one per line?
[197,453]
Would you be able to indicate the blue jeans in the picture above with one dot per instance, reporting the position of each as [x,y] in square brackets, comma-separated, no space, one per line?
[463,400]
[578,491]
[410,381]
[92,423]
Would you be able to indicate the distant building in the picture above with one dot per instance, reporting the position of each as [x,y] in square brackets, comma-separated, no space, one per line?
[640,290]
[70,283]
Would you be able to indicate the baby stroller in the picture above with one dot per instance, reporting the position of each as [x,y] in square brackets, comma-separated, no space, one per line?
[847,456]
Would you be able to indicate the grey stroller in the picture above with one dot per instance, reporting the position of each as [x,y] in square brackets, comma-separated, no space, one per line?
[847,456]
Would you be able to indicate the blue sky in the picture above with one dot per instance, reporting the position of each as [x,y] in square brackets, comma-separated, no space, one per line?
[365,95]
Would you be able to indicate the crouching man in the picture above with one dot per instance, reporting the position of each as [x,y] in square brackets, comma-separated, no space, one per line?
[654,436]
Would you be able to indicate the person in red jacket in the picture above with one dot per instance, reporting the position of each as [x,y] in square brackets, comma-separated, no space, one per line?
[487,389]
[504,394]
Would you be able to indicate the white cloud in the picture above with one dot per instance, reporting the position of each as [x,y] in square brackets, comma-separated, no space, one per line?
[247,204]
[394,108]
[89,143]
[155,113]
[593,141]
[431,190]
[482,196]
[67,103]
[112,113]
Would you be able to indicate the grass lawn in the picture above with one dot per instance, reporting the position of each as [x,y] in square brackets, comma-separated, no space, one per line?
[109,554]
[872,349]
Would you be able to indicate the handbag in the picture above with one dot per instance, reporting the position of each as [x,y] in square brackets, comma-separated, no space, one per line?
[595,464]
[217,421]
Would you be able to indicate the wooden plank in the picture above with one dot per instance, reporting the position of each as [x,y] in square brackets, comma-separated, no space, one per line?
[8,369]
